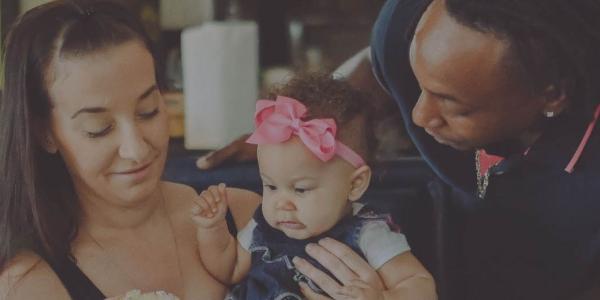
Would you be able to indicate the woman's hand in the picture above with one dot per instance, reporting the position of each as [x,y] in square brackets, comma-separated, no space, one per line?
[357,277]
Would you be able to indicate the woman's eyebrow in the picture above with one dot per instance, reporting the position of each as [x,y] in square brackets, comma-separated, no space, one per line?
[95,110]
[148,92]
[90,110]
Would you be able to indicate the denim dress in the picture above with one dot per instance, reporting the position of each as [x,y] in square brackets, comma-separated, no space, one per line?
[272,274]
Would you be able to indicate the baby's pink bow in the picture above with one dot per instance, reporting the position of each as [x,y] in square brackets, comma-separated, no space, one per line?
[276,122]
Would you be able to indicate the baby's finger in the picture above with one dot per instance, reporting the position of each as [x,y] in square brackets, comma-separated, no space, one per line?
[214,192]
[202,202]
[222,189]
[196,209]
[210,200]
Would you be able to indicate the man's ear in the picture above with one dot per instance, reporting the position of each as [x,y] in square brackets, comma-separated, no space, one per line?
[556,100]
[360,180]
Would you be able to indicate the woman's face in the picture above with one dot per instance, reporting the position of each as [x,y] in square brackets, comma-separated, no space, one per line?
[468,99]
[109,123]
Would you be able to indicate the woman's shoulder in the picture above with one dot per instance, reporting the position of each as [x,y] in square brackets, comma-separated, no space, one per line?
[28,276]
[177,191]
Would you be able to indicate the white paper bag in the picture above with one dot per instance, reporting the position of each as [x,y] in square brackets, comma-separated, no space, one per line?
[220,77]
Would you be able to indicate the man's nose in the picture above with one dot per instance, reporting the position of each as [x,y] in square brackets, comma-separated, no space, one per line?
[426,112]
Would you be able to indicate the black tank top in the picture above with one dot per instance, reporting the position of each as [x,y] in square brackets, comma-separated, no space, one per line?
[80,287]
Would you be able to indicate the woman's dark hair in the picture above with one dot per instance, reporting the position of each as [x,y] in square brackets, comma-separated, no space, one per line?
[552,42]
[326,97]
[38,206]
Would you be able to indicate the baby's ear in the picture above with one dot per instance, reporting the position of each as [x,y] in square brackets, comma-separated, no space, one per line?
[360,180]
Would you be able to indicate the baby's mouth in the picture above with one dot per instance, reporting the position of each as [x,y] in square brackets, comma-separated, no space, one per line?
[290,224]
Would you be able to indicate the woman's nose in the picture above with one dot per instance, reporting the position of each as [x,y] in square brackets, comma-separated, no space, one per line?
[426,112]
[133,145]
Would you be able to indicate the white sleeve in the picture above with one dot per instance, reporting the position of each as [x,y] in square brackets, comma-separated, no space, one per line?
[244,236]
[379,244]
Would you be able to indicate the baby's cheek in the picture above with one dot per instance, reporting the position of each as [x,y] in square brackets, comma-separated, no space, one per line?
[320,221]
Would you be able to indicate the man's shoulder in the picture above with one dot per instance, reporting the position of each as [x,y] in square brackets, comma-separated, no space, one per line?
[28,276]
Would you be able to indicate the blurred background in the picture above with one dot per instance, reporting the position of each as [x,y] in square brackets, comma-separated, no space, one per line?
[231,51]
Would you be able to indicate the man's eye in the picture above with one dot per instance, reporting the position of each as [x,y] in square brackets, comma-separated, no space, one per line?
[97,134]
[465,113]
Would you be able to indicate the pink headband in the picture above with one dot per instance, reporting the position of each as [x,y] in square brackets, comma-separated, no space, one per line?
[276,122]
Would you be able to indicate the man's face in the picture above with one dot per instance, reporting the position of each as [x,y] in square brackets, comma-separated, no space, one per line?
[468,97]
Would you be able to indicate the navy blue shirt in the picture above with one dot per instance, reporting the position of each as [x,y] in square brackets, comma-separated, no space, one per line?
[536,235]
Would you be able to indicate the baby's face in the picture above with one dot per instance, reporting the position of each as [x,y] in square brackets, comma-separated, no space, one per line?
[302,195]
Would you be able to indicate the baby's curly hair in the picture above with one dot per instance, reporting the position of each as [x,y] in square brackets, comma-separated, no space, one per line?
[326,97]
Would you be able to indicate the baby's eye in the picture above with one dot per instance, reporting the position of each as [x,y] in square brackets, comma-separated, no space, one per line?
[270,187]
[301,190]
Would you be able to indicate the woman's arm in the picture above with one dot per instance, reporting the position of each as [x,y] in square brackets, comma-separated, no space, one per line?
[27,276]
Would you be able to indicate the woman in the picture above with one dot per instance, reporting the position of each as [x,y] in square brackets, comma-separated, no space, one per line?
[83,142]
[501,99]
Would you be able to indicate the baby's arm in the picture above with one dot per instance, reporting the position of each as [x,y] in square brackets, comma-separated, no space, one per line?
[406,278]
[220,252]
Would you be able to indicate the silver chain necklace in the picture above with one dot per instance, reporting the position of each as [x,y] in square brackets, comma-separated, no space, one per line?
[174,240]
[482,180]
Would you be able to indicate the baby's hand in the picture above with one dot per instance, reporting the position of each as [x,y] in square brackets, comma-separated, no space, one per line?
[210,207]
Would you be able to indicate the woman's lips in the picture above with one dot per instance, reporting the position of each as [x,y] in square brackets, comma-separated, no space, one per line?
[291,225]
[136,174]
[136,170]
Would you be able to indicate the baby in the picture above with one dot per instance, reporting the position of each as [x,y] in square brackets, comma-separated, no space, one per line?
[312,138]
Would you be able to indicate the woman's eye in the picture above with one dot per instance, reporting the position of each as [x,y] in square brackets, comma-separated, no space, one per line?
[148,115]
[97,134]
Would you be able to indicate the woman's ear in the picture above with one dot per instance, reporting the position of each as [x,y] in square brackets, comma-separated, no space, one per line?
[359,183]
[48,143]
[556,100]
